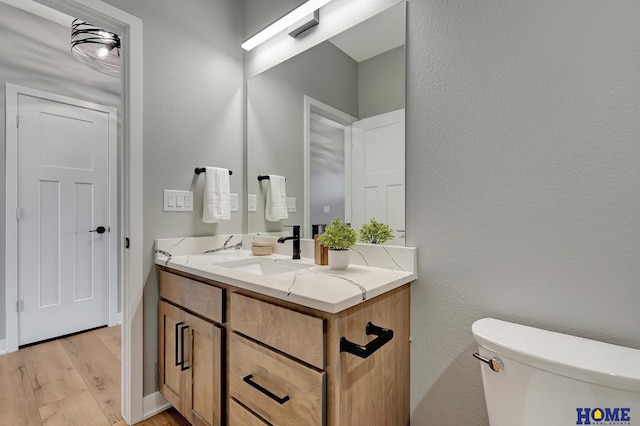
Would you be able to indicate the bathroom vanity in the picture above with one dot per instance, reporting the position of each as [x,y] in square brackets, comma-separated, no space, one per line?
[241,345]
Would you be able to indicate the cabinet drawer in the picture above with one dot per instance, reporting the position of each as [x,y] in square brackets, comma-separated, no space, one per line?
[299,335]
[278,389]
[239,416]
[201,298]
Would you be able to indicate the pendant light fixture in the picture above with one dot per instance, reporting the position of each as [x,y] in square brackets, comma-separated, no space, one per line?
[96,48]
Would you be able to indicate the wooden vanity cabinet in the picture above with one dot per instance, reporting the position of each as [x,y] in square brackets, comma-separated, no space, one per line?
[190,348]
[300,354]
[287,364]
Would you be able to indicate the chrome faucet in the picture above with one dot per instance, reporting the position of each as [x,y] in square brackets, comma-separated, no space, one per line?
[296,240]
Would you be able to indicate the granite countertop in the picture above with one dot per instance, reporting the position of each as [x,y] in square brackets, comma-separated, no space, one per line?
[373,271]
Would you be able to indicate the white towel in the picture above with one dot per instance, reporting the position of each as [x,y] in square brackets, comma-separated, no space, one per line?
[217,195]
[276,199]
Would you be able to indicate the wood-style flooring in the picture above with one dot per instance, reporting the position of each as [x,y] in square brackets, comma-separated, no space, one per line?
[74,380]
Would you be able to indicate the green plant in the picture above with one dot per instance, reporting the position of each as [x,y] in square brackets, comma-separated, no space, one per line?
[338,236]
[375,232]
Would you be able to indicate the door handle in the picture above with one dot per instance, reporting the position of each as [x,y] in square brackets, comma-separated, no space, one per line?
[99,230]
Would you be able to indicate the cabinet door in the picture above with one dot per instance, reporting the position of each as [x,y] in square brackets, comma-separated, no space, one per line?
[203,359]
[171,380]
[375,390]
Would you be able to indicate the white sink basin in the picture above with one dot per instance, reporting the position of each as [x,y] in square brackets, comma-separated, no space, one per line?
[263,266]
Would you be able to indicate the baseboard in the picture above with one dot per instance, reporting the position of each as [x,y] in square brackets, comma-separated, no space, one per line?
[3,347]
[153,404]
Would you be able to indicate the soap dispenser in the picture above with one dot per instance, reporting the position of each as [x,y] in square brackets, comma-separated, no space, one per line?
[320,252]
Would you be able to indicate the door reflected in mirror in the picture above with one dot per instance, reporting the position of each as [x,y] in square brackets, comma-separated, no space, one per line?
[331,121]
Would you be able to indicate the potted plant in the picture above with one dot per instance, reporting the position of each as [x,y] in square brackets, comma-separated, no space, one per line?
[339,237]
[375,232]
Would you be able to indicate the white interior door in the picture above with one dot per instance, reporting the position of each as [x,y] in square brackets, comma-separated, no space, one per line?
[63,195]
[378,172]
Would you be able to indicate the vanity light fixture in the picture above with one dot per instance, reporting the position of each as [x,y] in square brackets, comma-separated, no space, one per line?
[96,48]
[283,23]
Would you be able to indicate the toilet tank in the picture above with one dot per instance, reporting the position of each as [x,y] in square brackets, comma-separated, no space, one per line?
[553,379]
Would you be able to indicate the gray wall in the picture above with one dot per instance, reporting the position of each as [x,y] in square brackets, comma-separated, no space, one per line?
[192,117]
[258,14]
[275,120]
[522,181]
[36,54]
[381,82]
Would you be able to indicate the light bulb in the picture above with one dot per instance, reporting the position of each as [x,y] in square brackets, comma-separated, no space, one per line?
[103,52]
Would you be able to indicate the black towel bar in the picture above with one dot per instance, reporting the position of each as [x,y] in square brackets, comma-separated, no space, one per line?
[203,170]
[263,177]
[365,351]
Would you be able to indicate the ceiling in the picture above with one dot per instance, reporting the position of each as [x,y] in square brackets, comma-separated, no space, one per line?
[41,10]
[374,36]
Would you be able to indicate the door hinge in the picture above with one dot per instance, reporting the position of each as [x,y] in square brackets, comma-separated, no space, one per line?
[19,305]
[19,213]
[17,121]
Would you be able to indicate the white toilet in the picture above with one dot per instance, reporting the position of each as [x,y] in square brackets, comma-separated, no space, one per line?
[534,377]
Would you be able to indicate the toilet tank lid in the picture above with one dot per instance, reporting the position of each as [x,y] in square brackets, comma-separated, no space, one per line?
[582,359]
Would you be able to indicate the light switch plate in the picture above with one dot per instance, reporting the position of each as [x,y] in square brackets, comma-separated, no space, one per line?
[252,203]
[234,202]
[291,204]
[327,209]
[178,201]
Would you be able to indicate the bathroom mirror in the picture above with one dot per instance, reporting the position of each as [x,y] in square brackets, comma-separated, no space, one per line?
[331,121]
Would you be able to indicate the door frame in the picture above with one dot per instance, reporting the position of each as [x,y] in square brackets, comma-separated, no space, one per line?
[312,106]
[11,252]
[130,191]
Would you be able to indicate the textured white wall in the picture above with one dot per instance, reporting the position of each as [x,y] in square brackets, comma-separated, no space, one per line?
[523,181]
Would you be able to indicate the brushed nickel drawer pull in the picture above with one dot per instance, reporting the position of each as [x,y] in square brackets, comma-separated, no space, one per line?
[365,351]
[276,398]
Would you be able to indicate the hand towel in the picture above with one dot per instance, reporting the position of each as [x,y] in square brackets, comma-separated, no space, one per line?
[217,195]
[276,209]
